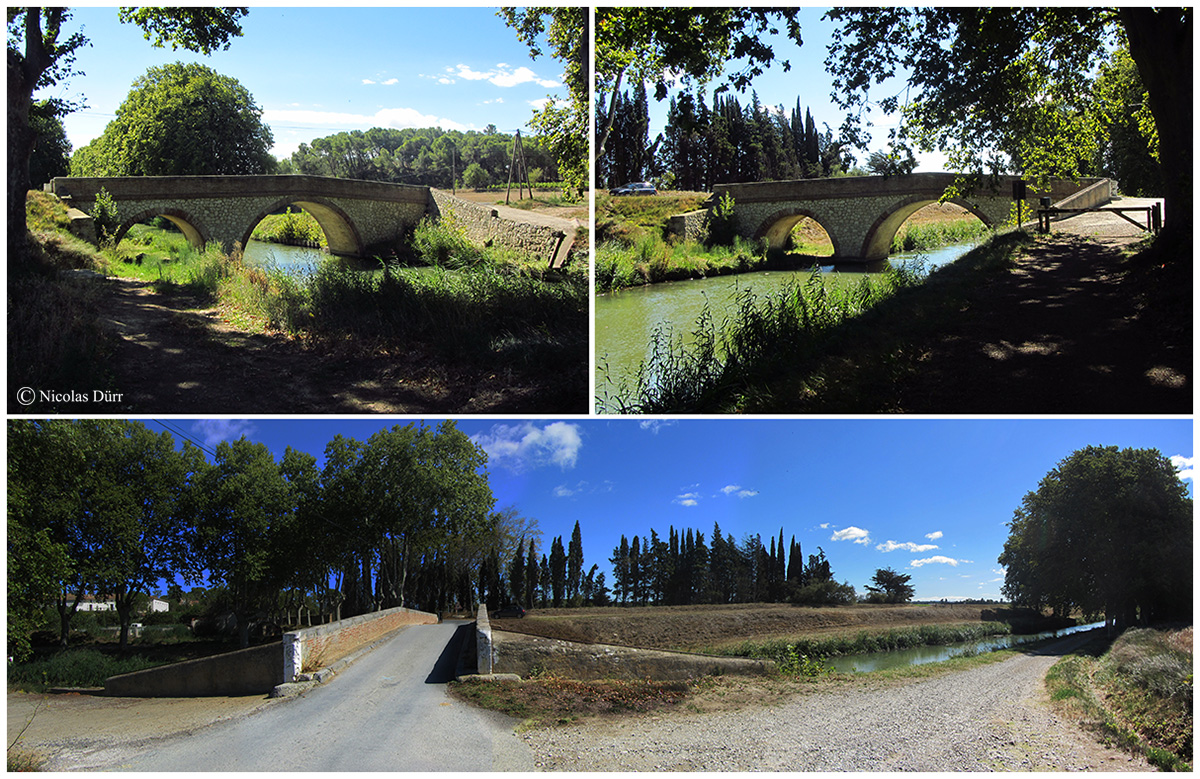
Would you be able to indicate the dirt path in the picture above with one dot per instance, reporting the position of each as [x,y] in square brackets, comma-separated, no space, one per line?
[992,717]
[178,354]
[1058,333]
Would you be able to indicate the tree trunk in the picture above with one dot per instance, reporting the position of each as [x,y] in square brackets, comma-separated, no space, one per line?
[23,75]
[1160,42]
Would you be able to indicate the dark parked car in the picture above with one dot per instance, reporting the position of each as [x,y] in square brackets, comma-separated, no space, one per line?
[510,611]
[637,188]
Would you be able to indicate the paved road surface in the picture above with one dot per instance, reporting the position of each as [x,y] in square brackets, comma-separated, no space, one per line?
[388,711]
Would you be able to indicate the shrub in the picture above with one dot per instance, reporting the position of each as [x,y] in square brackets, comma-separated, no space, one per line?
[105,216]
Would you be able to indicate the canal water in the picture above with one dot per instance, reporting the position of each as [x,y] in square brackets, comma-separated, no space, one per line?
[626,320]
[901,658]
[294,260]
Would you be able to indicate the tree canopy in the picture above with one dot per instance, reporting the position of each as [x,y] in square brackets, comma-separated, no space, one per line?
[1011,90]
[692,44]
[564,128]
[888,586]
[1107,531]
[41,54]
[181,120]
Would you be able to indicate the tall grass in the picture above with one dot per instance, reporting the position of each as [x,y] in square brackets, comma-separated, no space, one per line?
[781,650]
[73,668]
[762,337]
[648,259]
[923,237]
[1138,694]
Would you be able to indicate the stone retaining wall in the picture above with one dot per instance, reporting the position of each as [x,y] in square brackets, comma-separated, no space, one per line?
[245,672]
[522,654]
[484,225]
[317,647]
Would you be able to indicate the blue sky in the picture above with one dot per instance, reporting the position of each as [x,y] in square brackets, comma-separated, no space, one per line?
[319,71]
[808,81]
[930,498]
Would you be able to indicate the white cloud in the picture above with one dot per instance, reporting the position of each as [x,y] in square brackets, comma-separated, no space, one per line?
[939,559]
[687,499]
[736,489]
[397,118]
[214,431]
[521,447]
[908,546]
[581,488]
[503,76]
[391,81]
[653,425]
[368,81]
[1184,465]
[542,102]
[935,535]
[824,526]
[855,534]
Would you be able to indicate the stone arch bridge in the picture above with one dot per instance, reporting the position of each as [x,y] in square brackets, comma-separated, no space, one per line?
[355,215]
[861,214]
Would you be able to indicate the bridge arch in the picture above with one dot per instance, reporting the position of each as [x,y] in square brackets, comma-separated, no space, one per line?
[193,229]
[341,234]
[777,227]
[878,242]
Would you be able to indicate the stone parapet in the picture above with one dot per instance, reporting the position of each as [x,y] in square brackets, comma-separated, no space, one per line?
[486,225]
[317,647]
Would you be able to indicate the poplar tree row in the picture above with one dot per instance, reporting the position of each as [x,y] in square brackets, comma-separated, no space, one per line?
[682,569]
[725,143]
[558,579]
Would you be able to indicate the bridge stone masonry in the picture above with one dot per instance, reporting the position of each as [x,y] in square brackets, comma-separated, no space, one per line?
[861,214]
[354,215]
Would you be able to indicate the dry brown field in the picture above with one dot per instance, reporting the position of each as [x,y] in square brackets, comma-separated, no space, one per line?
[693,628]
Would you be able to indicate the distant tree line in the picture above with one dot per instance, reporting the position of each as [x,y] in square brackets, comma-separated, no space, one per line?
[683,569]
[110,508]
[429,156]
[725,143]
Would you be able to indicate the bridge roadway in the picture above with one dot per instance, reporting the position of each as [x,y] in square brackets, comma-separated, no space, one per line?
[387,711]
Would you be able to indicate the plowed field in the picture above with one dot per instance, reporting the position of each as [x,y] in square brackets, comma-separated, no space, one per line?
[693,628]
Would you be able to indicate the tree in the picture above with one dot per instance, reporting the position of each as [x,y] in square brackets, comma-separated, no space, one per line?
[575,562]
[891,587]
[1128,144]
[691,44]
[565,127]
[475,177]
[1107,530]
[51,154]
[41,54]
[182,120]
[1009,88]
[245,504]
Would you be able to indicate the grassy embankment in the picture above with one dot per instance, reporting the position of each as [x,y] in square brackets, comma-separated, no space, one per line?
[481,306]
[1136,693]
[742,367]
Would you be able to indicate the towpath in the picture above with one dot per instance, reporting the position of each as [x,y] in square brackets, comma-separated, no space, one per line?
[990,718]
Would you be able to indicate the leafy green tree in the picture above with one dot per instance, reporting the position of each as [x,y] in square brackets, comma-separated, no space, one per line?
[1107,531]
[890,587]
[475,177]
[692,44]
[52,151]
[1009,88]
[563,127]
[41,54]
[574,562]
[137,497]
[1129,143]
[244,510]
[183,119]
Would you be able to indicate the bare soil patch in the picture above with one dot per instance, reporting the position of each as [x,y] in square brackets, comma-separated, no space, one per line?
[580,211]
[176,353]
[691,628]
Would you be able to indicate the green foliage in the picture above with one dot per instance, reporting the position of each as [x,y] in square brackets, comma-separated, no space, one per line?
[105,216]
[181,120]
[292,228]
[794,663]
[721,227]
[891,587]
[922,237]
[443,242]
[52,153]
[680,376]
[475,177]
[73,668]
[1107,530]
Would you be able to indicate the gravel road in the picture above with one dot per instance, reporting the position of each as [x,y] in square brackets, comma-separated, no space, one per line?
[993,717]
